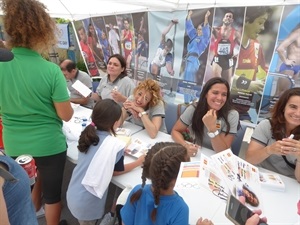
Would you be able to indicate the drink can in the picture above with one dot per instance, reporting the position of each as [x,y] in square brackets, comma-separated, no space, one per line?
[28,164]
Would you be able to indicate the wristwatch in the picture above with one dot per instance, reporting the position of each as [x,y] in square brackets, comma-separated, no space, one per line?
[142,113]
[213,134]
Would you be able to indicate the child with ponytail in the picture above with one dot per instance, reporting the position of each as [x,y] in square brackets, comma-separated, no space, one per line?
[101,156]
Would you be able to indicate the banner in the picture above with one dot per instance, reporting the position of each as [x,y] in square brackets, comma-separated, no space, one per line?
[254,48]
[63,40]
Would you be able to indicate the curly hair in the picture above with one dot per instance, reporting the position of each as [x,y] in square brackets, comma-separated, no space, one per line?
[278,121]
[28,25]
[105,113]
[202,108]
[153,88]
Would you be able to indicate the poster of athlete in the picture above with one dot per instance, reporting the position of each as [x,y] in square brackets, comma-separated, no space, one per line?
[86,45]
[225,43]
[257,46]
[127,39]
[196,42]
[285,67]
[166,31]
[141,52]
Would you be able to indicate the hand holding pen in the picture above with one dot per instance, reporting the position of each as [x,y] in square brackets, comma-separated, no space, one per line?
[290,146]
[191,148]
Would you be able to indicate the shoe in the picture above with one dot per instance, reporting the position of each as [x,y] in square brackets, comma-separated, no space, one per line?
[108,219]
[63,222]
[40,213]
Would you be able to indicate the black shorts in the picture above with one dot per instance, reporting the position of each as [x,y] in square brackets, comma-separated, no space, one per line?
[224,61]
[51,169]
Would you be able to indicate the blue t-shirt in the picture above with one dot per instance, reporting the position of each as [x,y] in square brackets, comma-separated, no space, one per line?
[171,209]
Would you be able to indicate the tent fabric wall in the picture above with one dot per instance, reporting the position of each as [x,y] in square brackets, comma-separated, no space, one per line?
[76,10]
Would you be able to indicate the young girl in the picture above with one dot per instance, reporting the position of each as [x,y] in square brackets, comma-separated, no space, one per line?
[146,108]
[158,203]
[212,121]
[100,157]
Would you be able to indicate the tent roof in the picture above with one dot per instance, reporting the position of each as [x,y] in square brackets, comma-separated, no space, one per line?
[75,10]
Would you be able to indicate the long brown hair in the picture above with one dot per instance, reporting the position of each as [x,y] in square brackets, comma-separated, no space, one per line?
[278,120]
[105,113]
[202,108]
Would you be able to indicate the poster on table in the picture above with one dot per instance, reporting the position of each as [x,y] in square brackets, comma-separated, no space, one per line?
[182,50]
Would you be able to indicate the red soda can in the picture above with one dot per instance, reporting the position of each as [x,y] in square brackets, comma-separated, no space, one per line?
[28,164]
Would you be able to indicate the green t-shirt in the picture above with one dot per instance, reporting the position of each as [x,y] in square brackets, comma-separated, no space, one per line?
[29,87]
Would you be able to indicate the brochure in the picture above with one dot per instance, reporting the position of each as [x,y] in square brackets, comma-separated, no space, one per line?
[81,88]
[137,148]
[241,177]
[271,181]
[123,131]
[188,176]
[210,177]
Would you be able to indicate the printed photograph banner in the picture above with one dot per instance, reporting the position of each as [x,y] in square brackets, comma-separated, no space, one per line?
[182,50]
[256,50]
[285,66]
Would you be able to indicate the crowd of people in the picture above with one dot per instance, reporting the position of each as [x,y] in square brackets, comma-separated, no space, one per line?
[33,114]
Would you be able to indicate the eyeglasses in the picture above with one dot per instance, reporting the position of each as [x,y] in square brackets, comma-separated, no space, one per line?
[220,193]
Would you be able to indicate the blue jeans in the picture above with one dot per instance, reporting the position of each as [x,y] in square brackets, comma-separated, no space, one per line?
[17,195]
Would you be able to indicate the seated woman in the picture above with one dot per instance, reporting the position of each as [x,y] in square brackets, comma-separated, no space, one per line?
[116,85]
[211,122]
[275,141]
[146,108]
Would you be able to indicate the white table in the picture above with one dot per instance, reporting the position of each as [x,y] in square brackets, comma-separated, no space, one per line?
[134,177]
[279,207]
[73,128]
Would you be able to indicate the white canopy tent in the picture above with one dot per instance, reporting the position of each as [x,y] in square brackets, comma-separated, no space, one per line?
[76,10]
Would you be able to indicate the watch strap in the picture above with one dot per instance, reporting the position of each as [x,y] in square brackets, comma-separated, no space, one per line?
[213,134]
[142,113]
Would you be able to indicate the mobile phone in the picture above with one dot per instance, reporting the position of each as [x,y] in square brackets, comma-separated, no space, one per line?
[238,213]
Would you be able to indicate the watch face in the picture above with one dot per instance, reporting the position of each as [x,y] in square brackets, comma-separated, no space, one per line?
[211,135]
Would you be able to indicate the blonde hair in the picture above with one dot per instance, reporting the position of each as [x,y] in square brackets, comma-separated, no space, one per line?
[153,88]
[28,24]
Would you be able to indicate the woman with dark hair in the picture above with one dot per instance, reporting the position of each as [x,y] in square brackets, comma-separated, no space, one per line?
[116,85]
[211,122]
[275,142]
[250,197]
[100,157]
